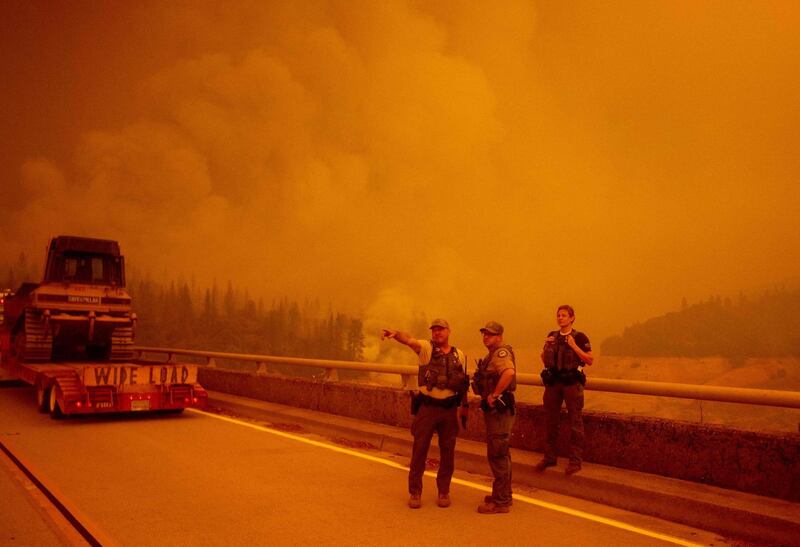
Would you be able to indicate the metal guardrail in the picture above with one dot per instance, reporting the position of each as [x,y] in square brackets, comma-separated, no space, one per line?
[408,373]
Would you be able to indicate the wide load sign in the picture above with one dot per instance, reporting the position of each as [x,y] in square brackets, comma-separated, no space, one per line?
[139,375]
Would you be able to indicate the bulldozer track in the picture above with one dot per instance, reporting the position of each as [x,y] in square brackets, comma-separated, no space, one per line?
[38,341]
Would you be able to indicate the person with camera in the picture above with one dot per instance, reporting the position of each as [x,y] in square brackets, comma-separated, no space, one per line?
[565,352]
[495,382]
[443,385]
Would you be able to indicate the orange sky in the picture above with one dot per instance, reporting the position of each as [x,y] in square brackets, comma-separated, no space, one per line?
[460,159]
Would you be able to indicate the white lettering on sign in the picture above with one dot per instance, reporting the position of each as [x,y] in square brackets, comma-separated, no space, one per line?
[84,299]
[134,375]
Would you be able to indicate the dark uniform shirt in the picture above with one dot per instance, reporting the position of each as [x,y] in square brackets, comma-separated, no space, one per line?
[566,358]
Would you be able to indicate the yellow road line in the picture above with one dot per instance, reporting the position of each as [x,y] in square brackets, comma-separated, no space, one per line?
[462,482]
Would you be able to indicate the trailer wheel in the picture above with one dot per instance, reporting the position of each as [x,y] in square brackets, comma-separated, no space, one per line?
[42,398]
[55,410]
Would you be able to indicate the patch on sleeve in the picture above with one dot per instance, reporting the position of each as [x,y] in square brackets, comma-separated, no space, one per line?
[583,342]
[502,353]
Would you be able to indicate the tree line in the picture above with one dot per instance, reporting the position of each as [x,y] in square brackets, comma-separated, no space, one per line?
[179,314]
[176,315]
[758,326]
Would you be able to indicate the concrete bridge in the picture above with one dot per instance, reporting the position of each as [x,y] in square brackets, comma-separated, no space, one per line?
[288,460]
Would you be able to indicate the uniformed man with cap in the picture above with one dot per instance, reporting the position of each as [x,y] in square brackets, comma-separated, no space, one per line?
[495,382]
[443,385]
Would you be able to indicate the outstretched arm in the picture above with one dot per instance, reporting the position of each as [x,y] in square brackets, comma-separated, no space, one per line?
[402,337]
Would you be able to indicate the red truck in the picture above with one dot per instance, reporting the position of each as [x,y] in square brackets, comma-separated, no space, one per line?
[71,336]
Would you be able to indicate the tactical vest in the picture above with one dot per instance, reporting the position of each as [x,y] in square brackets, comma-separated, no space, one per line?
[563,356]
[485,381]
[443,371]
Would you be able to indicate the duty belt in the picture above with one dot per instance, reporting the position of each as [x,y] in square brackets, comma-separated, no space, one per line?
[449,402]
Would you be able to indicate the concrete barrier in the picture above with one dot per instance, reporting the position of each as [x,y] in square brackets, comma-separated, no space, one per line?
[760,463]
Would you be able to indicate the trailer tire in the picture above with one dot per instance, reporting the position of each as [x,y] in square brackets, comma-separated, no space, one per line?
[55,410]
[42,398]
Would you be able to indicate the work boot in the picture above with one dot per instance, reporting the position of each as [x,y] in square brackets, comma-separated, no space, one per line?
[544,464]
[572,468]
[490,508]
[443,500]
[490,499]
[415,501]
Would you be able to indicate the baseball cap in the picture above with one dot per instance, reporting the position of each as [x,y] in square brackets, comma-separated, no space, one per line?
[440,323]
[493,327]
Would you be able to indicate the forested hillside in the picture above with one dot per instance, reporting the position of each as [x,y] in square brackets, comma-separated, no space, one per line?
[762,326]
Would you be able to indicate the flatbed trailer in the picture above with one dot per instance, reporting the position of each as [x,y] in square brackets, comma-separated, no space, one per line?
[92,387]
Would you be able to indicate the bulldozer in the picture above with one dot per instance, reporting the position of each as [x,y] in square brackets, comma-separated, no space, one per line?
[79,311]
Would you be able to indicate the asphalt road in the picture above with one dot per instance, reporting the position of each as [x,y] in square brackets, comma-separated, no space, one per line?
[203,479]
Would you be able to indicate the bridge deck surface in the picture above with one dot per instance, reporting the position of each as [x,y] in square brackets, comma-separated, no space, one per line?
[727,511]
[201,478]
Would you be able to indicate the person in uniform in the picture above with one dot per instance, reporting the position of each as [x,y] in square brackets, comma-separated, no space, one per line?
[565,352]
[495,382]
[442,396]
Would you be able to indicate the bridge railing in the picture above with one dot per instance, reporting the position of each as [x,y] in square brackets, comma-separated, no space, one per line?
[408,373]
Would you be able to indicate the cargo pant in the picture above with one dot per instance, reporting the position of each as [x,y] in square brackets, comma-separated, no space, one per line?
[498,435]
[553,397]
[444,422]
